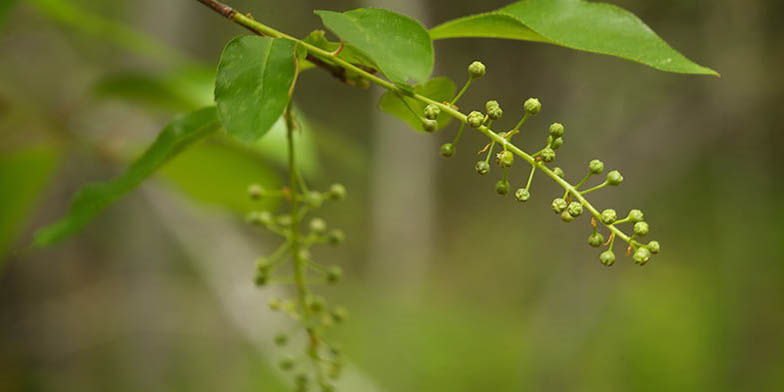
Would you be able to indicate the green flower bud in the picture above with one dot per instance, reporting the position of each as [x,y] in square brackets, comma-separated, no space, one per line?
[532,106]
[608,216]
[429,125]
[284,220]
[261,278]
[315,303]
[596,166]
[505,158]
[557,143]
[596,239]
[447,150]
[482,167]
[495,113]
[476,70]
[281,339]
[636,216]
[559,205]
[654,247]
[566,217]
[607,257]
[274,304]
[548,155]
[314,199]
[522,195]
[336,237]
[559,172]
[432,111]
[491,104]
[253,218]
[575,209]
[556,130]
[340,314]
[318,225]
[502,187]
[334,274]
[641,228]
[614,178]
[264,217]
[303,254]
[642,255]
[475,119]
[255,191]
[286,363]
[337,192]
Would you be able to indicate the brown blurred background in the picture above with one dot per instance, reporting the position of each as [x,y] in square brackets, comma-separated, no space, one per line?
[451,287]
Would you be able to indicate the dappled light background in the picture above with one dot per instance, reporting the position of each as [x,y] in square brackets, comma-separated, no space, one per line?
[451,287]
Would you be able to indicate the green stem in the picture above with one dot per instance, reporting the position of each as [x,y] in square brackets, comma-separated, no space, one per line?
[596,188]
[462,91]
[530,177]
[459,133]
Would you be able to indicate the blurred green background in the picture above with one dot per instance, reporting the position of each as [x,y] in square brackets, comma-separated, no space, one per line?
[451,287]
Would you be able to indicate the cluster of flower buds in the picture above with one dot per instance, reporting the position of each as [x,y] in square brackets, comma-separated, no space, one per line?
[570,206]
[313,311]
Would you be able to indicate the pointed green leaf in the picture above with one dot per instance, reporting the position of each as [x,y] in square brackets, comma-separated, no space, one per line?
[93,198]
[440,89]
[576,24]
[399,45]
[252,85]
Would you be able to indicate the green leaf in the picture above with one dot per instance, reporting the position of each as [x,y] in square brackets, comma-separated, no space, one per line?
[93,198]
[576,24]
[399,45]
[440,89]
[252,86]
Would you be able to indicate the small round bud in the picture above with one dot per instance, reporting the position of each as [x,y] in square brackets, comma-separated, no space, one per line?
[557,143]
[315,303]
[340,314]
[255,191]
[596,166]
[303,254]
[318,225]
[334,274]
[482,167]
[556,130]
[636,216]
[495,113]
[548,155]
[532,106]
[566,217]
[505,158]
[281,339]
[607,258]
[608,216]
[596,239]
[476,70]
[641,228]
[642,255]
[489,105]
[429,125]
[522,195]
[475,119]
[314,199]
[274,304]
[336,237]
[447,150]
[337,192]
[614,178]
[559,172]
[575,209]
[502,187]
[559,205]
[286,364]
[654,247]
[261,278]
[432,111]
[264,217]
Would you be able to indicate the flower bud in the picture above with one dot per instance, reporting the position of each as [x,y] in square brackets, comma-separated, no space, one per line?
[607,257]
[556,130]
[315,303]
[491,104]
[575,209]
[559,172]
[281,339]
[476,70]
[654,247]
[566,217]
[482,167]
[334,274]
[274,304]
[447,150]
[596,239]
[336,237]
[284,220]
[432,111]
[261,278]
[522,195]
[495,113]
[608,216]
[303,254]
[559,205]
[614,178]
[557,143]
[340,314]
[505,158]
[475,119]
[641,228]
[636,216]
[429,125]
[255,191]
[286,364]
[642,255]
[502,187]
[548,155]
[318,225]
[337,192]
[532,106]
[596,166]
[314,199]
